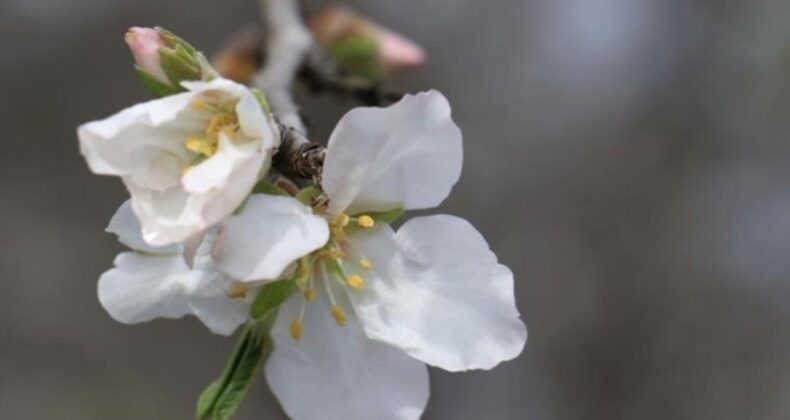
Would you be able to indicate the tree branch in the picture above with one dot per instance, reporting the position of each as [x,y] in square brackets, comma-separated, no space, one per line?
[288,42]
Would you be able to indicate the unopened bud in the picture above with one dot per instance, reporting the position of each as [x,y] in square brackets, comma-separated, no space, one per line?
[361,46]
[165,60]
[145,44]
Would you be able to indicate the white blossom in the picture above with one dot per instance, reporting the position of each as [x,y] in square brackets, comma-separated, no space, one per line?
[188,160]
[433,290]
[155,282]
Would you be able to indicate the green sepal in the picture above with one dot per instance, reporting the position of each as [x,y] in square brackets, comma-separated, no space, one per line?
[270,297]
[265,187]
[359,55]
[388,216]
[222,397]
[261,98]
[177,68]
[155,86]
[308,194]
[172,40]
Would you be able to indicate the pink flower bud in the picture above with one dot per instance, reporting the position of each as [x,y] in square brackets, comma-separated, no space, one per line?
[393,51]
[399,52]
[145,44]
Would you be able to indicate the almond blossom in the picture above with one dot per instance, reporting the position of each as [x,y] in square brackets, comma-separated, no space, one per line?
[188,160]
[377,305]
[155,282]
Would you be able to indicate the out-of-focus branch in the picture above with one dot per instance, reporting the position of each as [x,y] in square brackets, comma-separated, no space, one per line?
[288,42]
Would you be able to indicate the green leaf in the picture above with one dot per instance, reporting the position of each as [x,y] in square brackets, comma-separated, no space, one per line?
[207,400]
[308,194]
[270,297]
[222,397]
[265,187]
[155,86]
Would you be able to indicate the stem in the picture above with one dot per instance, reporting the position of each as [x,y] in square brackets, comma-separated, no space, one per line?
[288,42]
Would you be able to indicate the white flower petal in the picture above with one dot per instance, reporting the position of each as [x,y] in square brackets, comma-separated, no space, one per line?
[142,142]
[270,233]
[125,224]
[437,292]
[146,146]
[408,155]
[336,373]
[208,300]
[141,288]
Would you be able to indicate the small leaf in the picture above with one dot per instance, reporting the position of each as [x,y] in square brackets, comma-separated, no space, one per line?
[155,86]
[265,187]
[222,397]
[308,194]
[207,400]
[270,297]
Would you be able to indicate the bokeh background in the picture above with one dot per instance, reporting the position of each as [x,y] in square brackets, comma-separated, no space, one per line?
[628,159]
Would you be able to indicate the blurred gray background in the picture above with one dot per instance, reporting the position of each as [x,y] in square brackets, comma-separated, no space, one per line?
[628,159]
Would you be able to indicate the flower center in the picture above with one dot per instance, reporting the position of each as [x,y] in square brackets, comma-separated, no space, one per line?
[340,263]
[223,120]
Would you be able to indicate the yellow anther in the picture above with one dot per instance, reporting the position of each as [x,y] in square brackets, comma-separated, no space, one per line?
[237,291]
[338,233]
[339,315]
[309,294]
[342,220]
[331,254]
[355,281]
[365,263]
[194,144]
[199,105]
[365,221]
[296,329]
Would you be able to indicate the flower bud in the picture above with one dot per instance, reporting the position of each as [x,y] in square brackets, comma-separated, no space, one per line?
[363,47]
[165,60]
[145,44]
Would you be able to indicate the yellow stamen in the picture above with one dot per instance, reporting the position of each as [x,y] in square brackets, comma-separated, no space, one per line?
[296,329]
[365,221]
[194,144]
[365,263]
[342,220]
[199,105]
[339,315]
[355,281]
[331,254]
[309,294]
[237,291]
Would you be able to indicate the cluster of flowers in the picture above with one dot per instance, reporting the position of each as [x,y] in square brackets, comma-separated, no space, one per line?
[371,306]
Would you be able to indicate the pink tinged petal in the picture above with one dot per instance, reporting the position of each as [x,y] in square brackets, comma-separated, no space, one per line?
[144,44]
[408,155]
[437,292]
[336,373]
[399,52]
[270,233]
